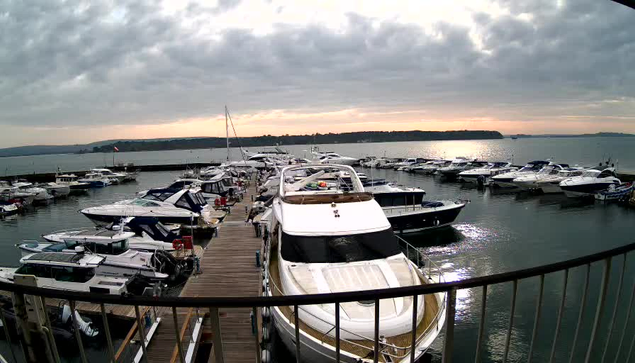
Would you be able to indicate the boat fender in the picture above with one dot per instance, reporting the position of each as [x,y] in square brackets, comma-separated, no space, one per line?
[266,314]
[265,335]
[265,356]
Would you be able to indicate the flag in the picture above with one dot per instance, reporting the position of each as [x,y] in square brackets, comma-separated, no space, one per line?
[116,148]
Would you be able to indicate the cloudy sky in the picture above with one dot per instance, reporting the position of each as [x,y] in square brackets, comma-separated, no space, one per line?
[79,71]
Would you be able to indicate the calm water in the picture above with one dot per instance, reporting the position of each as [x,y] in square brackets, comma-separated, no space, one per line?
[583,151]
[495,233]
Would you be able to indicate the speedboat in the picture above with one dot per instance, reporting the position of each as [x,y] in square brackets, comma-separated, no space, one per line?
[505,180]
[404,164]
[550,184]
[119,260]
[334,158]
[65,272]
[426,215]
[320,244]
[389,194]
[10,194]
[168,206]
[115,178]
[96,180]
[614,192]
[456,166]
[589,183]
[57,190]
[40,195]
[72,181]
[9,208]
[528,180]
[492,169]
[431,167]
[148,234]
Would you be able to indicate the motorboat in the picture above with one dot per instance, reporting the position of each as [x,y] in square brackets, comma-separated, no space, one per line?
[96,180]
[506,180]
[72,181]
[10,194]
[9,208]
[389,194]
[334,158]
[492,169]
[207,172]
[115,178]
[40,195]
[589,183]
[456,166]
[336,238]
[57,190]
[426,215]
[119,260]
[405,163]
[168,206]
[65,272]
[431,167]
[550,184]
[614,193]
[528,181]
[149,234]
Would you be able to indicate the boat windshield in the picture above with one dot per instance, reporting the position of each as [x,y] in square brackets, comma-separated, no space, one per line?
[59,273]
[333,249]
[591,173]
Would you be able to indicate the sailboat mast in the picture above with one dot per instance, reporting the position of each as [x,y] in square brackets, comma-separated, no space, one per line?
[227,132]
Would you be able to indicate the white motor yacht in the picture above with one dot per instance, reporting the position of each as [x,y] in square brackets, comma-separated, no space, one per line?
[71,180]
[57,190]
[334,158]
[506,180]
[40,195]
[148,234]
[528,180]
[95,180]
[404,164]
[550,184]
[329,237]
[492,169]
[115,178]
[456,166]
[66,272]
[589,183]
[11,194]
[120,260]
[168,206]
[431,167]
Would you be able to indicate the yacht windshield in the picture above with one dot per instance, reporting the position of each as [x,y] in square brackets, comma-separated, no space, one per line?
[332,249]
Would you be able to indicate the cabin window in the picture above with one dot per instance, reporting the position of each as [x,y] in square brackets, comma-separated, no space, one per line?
[184,202]
[71,274]
[36,270]
[347,248]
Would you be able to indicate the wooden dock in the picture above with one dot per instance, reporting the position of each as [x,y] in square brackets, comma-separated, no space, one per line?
[228,269]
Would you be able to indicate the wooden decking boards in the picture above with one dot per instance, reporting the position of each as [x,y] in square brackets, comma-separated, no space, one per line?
[228,269]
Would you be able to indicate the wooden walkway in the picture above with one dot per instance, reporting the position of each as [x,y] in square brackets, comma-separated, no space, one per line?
[228,269]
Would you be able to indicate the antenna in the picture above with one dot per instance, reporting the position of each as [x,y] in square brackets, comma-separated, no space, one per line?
[227,131]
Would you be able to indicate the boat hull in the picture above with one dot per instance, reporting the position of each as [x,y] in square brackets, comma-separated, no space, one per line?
[583,190]
[424,219]
[104,220]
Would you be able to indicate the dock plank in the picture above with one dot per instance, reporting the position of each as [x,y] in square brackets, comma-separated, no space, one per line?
[229,268]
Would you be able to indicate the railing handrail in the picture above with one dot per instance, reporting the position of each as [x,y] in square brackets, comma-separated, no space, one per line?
[261,301]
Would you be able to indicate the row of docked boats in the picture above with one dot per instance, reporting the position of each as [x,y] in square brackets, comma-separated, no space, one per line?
[18,195]
[544,176]
[136,246]
[326,232]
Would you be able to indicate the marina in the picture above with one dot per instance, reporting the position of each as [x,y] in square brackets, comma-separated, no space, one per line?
[230,258]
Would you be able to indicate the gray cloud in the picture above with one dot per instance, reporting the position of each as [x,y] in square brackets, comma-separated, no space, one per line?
[81,63]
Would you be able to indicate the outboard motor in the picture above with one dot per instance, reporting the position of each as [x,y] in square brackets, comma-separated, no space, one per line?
[168,264]
[85,326]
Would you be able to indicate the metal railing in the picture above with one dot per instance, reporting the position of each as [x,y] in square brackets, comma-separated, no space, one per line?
[593,349]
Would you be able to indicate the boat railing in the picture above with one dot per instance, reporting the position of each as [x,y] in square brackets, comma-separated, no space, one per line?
[601,323]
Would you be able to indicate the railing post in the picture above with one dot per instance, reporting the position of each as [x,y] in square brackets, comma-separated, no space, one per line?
[560,312]
[177,335]
[481,326]
[581,313]
[296,322]
[615,308]
[216,335]
[142,333]
[450,312]
[413,344]
[19,307]
[104,318]
[78,336]
[254,311]
[606,272]
[537,317]
[511,320]
[626,320]
[6,334]
[49,332]
[337,333]
[376,346]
